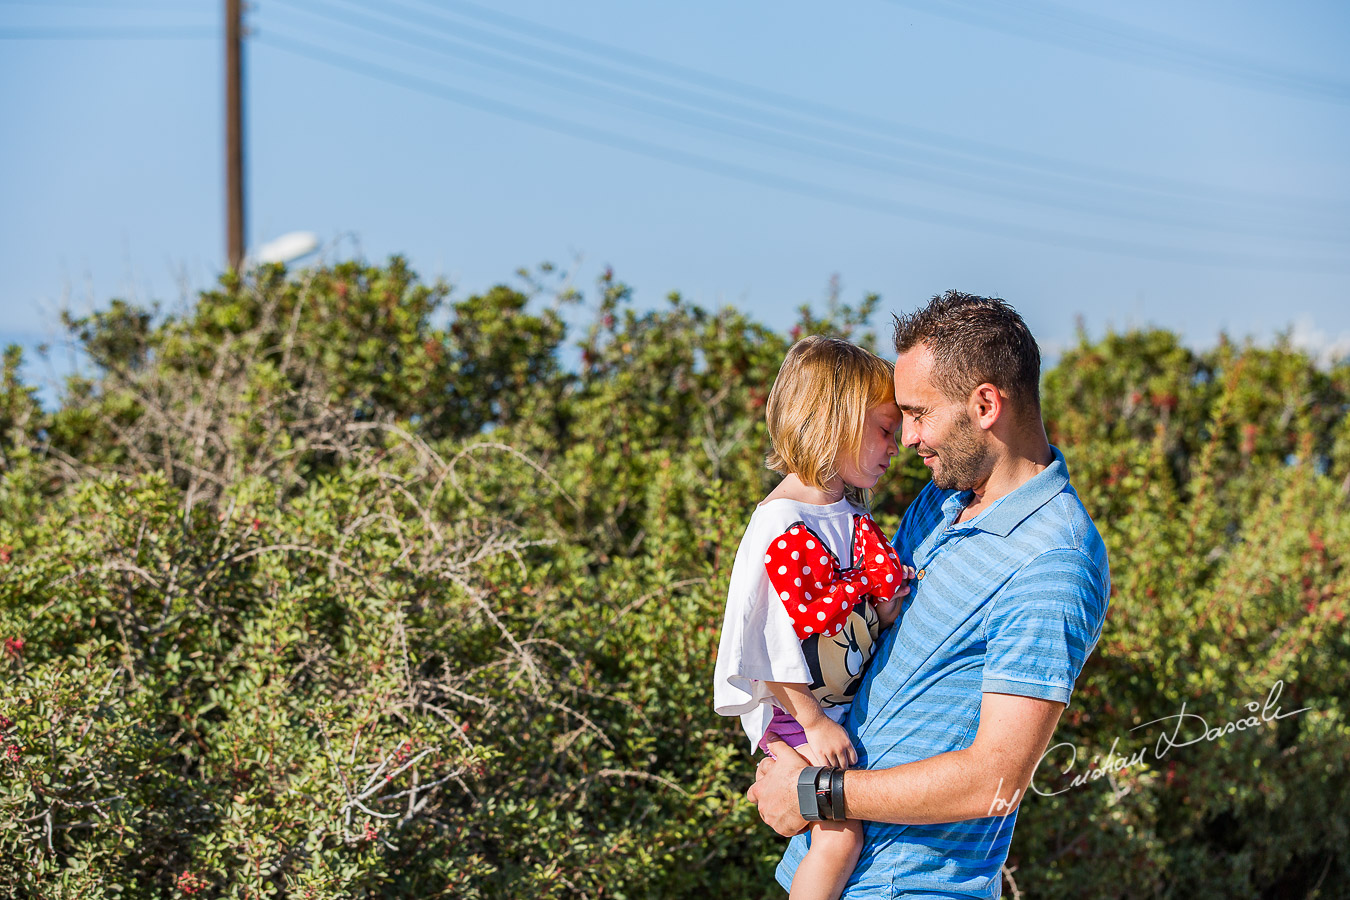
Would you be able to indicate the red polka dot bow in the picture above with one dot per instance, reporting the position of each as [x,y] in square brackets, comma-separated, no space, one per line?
[818,593]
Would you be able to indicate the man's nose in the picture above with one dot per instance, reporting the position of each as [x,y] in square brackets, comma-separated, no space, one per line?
[909,435]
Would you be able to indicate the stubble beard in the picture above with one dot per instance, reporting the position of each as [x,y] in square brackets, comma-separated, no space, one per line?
[963,462]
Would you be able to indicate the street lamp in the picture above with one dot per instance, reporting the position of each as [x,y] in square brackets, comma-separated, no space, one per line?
[285,249]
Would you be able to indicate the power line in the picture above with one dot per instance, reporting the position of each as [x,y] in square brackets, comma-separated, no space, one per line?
[908,211]
[649,98]
[119,6]
[936,141]
[628,96]
[1055,25]
[108,33]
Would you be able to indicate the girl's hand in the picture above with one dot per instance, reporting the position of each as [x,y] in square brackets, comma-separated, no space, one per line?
[906,582]
[889,610]
[830,743]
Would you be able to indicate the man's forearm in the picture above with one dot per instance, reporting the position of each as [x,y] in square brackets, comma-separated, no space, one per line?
[988,778]
[949,787]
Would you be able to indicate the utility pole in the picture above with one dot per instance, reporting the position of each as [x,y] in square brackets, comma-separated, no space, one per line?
[234,134]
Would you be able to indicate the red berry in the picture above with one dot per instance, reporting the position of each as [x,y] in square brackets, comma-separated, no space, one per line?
[190,883]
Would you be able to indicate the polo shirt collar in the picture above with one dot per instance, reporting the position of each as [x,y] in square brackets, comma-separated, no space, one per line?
[1011,509]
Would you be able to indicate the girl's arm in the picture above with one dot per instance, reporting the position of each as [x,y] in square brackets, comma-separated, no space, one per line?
[826,739]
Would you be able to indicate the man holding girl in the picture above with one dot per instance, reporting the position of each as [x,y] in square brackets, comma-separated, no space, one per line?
[1006,601]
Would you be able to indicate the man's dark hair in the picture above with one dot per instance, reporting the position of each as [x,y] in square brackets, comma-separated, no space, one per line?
[975,340]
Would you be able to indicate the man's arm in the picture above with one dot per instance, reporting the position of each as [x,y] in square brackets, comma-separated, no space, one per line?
[987,778]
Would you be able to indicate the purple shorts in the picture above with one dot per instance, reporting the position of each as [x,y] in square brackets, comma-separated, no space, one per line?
[782,727]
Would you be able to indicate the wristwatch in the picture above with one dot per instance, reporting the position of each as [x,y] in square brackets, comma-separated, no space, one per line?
[819,788]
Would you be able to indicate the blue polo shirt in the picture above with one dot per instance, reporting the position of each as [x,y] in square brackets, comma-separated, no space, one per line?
[1011,602]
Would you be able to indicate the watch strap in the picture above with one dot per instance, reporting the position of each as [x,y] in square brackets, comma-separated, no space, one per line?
[824,796]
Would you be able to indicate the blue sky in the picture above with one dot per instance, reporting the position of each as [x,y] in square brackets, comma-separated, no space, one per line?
[1181,165]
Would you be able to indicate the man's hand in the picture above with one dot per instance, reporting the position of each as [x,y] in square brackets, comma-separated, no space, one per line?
[775,791]
[829,744]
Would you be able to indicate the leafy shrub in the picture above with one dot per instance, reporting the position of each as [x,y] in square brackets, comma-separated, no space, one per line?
[332,587]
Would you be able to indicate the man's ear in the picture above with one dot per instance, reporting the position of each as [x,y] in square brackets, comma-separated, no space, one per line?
[986,405]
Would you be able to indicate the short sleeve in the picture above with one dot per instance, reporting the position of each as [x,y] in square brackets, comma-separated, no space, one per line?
[1043,624]
[758,642]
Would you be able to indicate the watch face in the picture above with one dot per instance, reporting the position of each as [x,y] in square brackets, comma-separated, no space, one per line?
[808,798]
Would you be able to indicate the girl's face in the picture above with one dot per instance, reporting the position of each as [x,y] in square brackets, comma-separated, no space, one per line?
[878,446]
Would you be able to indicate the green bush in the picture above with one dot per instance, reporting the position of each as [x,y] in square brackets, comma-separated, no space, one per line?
[332,587]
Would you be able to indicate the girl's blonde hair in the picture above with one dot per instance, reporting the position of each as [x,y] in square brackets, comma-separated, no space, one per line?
[818,406]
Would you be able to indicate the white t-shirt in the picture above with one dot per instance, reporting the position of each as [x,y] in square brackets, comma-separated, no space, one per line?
[758,641]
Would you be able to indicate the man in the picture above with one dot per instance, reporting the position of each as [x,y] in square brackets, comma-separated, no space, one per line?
[961,699]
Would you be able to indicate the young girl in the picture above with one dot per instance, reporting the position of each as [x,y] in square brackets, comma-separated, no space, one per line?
[814,580]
